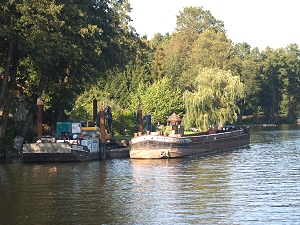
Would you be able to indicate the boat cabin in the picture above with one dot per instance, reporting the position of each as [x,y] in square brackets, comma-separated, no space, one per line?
[174,123]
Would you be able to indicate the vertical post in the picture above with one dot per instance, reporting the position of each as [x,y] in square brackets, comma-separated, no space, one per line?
[102,132]
[39,103]
[140,119]
[95,110]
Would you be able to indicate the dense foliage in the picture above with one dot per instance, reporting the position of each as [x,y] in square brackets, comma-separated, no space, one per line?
[72,52]
[214,100]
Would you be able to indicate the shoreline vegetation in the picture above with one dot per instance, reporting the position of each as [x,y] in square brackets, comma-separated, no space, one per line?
[58,57]
[15,153]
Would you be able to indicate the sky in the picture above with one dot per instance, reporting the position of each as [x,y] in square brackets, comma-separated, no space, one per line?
[260,23]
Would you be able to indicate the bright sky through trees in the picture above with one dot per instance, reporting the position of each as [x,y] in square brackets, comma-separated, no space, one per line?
[260,23]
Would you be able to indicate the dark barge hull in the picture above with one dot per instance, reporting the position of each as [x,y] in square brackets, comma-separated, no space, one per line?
[118,153]
[57,152]
[151,147]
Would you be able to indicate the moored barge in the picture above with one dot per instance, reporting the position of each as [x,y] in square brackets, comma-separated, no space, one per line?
[156,146]
[61,152]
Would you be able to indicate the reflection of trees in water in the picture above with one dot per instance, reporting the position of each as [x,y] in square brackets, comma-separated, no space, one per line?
[260,180]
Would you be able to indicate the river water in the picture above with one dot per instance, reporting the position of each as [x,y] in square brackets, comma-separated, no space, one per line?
[259,184]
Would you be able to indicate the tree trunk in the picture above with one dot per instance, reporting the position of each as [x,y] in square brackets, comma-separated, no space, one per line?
[61,107]
[277,112]
[8,95]
[271,115]
[255,109]
[243,103]
[6,73]
[290,113]
[33,108]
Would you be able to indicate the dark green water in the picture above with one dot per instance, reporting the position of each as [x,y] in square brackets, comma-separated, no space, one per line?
[255,185]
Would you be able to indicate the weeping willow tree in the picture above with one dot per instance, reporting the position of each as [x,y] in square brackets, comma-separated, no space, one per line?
[213,103]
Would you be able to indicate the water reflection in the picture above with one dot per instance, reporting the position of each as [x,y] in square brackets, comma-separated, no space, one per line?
[252,185]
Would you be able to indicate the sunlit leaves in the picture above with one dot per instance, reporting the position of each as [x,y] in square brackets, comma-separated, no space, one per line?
[159,99]
[195,20]
[213,102]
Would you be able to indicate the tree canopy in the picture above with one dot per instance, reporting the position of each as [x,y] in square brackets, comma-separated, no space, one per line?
[71,52]
[213,102]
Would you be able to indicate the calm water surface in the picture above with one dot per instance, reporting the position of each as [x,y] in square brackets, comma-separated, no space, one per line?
[255,185]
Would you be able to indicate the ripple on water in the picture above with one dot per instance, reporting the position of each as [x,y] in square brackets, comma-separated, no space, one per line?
[256,185]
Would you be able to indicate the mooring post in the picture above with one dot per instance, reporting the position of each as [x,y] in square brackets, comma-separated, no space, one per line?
[140,119]
[102,132]
[40,117]
[95,109]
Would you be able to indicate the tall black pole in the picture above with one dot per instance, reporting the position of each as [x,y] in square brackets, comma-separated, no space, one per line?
[40,118]
[102,132]
[95,109]
[140,119]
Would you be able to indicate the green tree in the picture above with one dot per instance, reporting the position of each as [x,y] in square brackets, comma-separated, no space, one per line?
[193,21]
[121,85]
[243,49]
[68,45]
[83,106]
[211,49]
[190,23]
[250,76]
[291,81]
[159,99]
[158,44]
[272,74]
[19,29]
[213,102]
[98,40]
